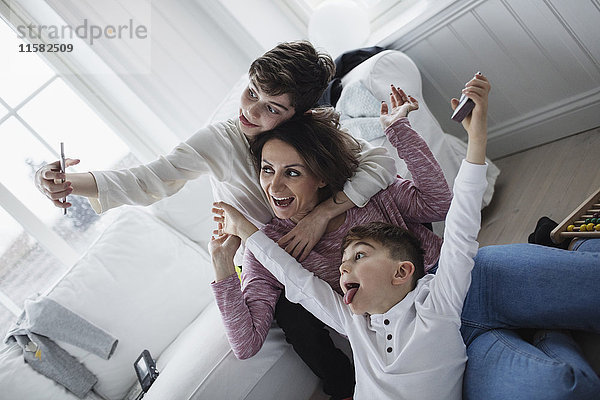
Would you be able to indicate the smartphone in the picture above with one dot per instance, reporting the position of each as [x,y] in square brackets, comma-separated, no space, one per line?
[63,168]
[145,369]
[464,108]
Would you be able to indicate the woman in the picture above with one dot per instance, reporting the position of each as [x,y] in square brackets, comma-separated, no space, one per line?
[300,164]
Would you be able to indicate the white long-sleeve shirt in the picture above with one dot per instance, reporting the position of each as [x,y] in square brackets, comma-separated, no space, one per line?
[222,151]
[414,350]
[248,307]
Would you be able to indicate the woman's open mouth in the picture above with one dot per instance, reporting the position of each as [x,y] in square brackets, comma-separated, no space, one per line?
[351,288]
[245,121]
[282,201]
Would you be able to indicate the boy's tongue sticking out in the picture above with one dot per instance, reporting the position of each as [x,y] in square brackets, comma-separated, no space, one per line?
[352,289]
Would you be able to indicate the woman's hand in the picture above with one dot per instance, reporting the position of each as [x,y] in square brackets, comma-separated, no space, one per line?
[401,106]
[306,234]
[53,184]
[231,221]
[222,251]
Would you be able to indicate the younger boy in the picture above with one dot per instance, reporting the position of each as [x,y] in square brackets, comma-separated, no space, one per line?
[404,334]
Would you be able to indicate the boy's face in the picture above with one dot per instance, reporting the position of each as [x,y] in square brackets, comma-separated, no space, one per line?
[368,277]
[260,112]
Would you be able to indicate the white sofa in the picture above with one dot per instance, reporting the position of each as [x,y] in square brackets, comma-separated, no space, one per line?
[148,285]
[146,281]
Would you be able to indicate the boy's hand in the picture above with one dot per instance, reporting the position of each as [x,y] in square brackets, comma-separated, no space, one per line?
[53,184]
[306,234]
[477,89]
[401,106]
[231,221]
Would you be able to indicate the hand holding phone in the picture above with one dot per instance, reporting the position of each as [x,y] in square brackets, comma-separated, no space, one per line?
[63,168]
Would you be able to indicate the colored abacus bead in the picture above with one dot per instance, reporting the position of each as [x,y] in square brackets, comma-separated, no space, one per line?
[597,227]
[582,228]
[588,220]
[590,227]
[570,228]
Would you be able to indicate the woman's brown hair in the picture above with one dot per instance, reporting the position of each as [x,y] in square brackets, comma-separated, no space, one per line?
[329,153]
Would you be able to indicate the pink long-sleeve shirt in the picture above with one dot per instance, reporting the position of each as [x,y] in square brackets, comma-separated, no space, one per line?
[247,307]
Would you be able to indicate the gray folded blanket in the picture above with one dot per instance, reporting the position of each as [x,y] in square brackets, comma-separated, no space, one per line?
[42,322]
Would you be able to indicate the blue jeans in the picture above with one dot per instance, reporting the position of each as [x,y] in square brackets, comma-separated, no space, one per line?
[530,286]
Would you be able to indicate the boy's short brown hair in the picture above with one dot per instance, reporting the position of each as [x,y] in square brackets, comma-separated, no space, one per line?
[401,244]
[296,68]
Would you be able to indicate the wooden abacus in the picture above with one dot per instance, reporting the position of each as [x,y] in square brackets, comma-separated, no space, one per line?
[583,222]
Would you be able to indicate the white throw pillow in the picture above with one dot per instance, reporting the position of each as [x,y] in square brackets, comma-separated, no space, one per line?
[188,211]
[142,282]
[394,67]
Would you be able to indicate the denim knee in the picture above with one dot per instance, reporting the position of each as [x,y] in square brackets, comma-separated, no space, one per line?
[587,244]
[502,365]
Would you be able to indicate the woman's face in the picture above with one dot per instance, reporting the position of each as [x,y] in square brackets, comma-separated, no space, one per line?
[291,187]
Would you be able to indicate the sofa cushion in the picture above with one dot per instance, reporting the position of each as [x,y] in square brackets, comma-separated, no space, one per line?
[141,281]
[201,365]
[188,211]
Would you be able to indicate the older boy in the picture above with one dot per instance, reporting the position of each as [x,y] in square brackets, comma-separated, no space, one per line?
[285,81]
[404,333]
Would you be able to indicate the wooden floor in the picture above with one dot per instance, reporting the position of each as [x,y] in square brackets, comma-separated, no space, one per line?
[551,180]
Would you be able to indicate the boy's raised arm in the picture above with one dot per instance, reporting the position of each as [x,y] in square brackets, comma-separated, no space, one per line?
[453,278]
[56,185]
[477,89]
[206,152]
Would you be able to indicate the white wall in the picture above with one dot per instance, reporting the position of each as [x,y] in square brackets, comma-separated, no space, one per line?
[267,22]
[542,57]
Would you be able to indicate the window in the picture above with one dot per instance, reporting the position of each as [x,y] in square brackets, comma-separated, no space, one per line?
[379,10]
[38,110]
